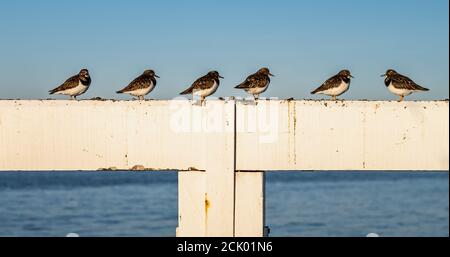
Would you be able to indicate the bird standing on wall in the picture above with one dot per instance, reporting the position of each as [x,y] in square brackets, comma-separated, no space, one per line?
[204,86]
[401,85]
[256,83]
[336,85]
[141,86]
[74,86]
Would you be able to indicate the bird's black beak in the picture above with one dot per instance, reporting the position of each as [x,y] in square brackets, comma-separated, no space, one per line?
[221,77]
[270,74]
[384,75]
[157,76]
[351,76]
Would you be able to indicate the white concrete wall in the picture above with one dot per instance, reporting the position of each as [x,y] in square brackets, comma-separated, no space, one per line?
[349,135]
[91,135]
[273,135]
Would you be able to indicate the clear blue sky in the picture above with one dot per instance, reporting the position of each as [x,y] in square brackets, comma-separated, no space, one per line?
[302,42]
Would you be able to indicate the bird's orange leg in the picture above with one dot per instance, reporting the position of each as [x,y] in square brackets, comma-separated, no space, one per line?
[401,98]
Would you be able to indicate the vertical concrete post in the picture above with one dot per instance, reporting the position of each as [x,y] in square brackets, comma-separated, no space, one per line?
[221,201]
[220,174]
[191,194]
[250,204]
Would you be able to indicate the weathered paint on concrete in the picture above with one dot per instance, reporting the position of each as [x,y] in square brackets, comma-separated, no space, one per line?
[97,135]
[191,204]
[250,204]
[272,135]
[345,135]
[235,210]
[220,175]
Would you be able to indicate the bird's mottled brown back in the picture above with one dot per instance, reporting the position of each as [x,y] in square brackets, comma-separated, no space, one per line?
[255,81]
[402,82]
[68,84]
[332,82]
[143,81]
[202,83]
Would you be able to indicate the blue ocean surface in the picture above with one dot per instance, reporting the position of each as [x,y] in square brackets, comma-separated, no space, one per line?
[297,204]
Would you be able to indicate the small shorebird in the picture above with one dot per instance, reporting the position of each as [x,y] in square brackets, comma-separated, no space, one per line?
[401,85]
[75,85]
[141,86]
[204,86]
[336,85]
[256,83]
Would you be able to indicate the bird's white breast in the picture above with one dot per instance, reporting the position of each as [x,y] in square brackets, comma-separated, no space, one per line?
[336,91]
[208,91]
[258,90]
[142,91]
[400,91]
[75,91]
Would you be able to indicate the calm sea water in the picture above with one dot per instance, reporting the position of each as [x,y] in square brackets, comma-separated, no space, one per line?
[298,204]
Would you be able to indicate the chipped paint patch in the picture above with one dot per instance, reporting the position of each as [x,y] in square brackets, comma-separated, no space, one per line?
[292,129]
[138,168]
[108,169]
[295,134]
[207,205]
